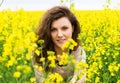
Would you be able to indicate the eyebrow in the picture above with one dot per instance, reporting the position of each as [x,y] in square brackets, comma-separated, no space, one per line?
[62,26]
[52,28]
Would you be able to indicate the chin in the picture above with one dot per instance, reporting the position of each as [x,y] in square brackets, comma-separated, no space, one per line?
[60,45]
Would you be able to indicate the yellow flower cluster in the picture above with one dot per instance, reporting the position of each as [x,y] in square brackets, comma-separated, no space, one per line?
[70,44]
[32,79]
[100,37]
[113,68]
[63,59]
[17,74]
[17,39]
[37,52]
[39,68]
[51,58]
[54,78]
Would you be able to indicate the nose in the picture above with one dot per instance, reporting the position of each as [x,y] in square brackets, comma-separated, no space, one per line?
[60,34]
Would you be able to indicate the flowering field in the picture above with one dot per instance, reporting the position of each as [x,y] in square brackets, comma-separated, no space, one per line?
[100,38]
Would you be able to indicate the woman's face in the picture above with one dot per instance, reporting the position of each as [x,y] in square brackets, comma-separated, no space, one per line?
[61,31]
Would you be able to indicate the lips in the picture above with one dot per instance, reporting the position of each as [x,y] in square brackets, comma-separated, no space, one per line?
[61,40]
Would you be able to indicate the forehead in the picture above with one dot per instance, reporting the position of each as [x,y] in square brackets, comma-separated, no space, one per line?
[61,21]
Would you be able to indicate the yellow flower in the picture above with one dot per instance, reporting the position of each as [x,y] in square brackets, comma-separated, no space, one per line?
[112,74]
[116,68]
[73,61]
[52,64]
[70,44]
[42,59]
[81,66]
[19,67]
[66,45]
[17,74]
[11,61]
[1,38]
[63,59]
[27,69]
[55,77]
[33,79]
[40,68]
[37,52]
[59,78]
[35,66]
[51,58]
[118,81]
[97,79]
[28,57]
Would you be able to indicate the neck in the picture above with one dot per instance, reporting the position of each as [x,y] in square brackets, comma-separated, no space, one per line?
[58,50]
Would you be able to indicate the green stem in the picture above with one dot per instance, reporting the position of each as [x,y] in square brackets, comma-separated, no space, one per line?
[41,51]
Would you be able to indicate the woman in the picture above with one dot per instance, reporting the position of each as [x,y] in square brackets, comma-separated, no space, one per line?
[57,26]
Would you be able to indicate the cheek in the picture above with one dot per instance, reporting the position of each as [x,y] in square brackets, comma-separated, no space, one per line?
[52,36]
[69,33]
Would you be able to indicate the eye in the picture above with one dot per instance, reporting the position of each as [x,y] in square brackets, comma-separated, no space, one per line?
[65,28]
[53,29]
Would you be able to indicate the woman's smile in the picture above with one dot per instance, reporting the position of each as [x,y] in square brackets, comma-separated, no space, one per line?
[61,31]
[61,41]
